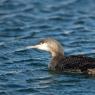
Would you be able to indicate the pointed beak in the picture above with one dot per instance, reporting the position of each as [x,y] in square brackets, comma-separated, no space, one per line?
[29,47]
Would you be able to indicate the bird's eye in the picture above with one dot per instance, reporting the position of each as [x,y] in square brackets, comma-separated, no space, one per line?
[42,42]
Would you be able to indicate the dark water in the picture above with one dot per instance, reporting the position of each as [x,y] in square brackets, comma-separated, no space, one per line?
[23,23]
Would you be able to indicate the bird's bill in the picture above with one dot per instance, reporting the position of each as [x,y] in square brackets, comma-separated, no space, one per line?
[39,46]
[28,47]
[35,46]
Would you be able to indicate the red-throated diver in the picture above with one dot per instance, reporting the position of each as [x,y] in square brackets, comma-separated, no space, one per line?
[61,63]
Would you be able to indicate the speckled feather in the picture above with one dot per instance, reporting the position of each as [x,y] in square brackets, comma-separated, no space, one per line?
[74,63]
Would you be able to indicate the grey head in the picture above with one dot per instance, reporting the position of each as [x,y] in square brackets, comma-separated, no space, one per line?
[51,45]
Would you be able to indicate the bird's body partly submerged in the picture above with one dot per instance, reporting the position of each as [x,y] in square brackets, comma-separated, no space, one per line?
[60,63]
[73,63]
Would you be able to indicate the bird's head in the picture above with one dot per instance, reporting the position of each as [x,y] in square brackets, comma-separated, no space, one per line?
[50,44]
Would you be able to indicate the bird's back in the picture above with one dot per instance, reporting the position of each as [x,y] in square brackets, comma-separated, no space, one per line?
[74,63]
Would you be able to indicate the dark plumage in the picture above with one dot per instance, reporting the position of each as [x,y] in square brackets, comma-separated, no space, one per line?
[59,62]
[72,63]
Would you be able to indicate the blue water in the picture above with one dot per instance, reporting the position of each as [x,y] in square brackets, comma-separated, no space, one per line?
[25,22]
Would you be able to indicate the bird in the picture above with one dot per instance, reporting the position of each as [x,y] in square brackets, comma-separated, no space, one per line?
[61,63]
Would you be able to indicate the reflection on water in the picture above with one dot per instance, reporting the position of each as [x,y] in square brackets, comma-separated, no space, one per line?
[23,23]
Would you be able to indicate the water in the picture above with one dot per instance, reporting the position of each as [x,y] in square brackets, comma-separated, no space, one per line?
[23,23]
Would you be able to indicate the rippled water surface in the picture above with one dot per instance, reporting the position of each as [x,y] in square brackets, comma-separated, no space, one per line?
[23,23]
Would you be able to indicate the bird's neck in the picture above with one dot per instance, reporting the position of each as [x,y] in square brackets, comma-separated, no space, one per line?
[57,54]
[57,58]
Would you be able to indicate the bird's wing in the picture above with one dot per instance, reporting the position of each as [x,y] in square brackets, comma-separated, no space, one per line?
[77,62]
